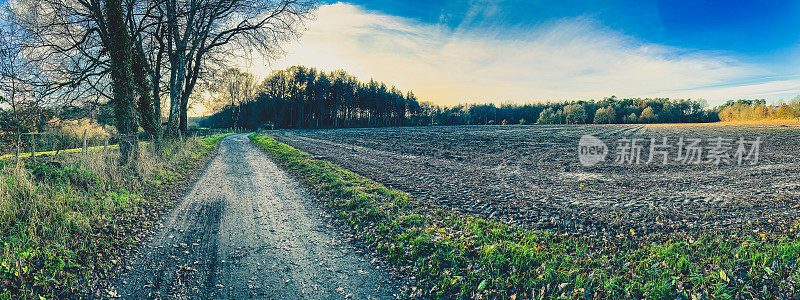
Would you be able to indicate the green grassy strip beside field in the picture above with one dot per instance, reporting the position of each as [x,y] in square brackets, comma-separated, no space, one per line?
[452,255]
[26,154]
[65,151]
[65,219]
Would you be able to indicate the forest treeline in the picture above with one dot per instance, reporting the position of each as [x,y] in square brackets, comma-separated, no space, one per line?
[757,110]
[610,110]
[300,97]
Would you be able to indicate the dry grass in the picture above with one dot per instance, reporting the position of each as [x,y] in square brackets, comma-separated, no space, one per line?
[64,216]
[93,129]
[62,134]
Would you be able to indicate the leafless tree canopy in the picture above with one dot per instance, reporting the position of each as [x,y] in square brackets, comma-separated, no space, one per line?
[65,49]
[197,30]
[18,77]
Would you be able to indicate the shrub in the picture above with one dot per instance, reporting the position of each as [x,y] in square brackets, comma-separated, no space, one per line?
[632,118]
[575,113]
[648,115]
[551,116]
[605,115]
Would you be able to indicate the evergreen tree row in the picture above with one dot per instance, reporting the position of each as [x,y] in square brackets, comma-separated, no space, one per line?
[300,97]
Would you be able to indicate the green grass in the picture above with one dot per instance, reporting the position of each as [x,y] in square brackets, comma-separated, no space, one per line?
[453,255]
[65,219]
[26,154]
[65,151]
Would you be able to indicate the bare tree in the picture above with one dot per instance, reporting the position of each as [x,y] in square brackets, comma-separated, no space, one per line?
[83,51]
[65,41]
[9,64]
[16,75]
[232,88]
[202,29]
[118,52]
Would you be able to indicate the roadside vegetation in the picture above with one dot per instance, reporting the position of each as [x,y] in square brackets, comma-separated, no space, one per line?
[66,218]
[452,255]
[51,134]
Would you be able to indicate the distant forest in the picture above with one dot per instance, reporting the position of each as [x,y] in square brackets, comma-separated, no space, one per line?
[300,97]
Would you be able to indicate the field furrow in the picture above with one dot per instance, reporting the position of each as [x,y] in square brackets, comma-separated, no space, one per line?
[531,176]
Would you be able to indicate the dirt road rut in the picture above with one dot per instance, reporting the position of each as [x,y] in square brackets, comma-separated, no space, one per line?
[247,230]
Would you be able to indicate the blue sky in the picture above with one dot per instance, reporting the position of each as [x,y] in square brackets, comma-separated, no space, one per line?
[452,52]
[757,29]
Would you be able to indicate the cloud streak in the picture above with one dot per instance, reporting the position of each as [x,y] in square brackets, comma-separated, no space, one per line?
[563,60]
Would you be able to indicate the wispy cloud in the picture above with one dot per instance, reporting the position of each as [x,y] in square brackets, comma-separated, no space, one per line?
[567,59]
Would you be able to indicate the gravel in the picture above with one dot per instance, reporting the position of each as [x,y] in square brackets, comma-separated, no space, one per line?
[247,230]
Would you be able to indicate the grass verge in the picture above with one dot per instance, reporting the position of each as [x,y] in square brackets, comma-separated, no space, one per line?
[67,218]
[451,255]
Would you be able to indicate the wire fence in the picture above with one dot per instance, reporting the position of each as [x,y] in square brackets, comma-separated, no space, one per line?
[33,144]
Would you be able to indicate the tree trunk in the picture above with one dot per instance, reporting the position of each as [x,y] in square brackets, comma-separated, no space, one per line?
[175,93]
[122,81]
[155,80]
[184,114]
[149,104]
[177,61]
[188,87]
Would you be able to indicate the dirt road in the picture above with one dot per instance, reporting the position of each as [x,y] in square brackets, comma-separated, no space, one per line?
[247,230]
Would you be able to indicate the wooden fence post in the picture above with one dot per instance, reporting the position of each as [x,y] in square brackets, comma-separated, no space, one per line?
[33,146]
[19,145]
[84,141]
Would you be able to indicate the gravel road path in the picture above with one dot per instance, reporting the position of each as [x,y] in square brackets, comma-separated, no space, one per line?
[247,230]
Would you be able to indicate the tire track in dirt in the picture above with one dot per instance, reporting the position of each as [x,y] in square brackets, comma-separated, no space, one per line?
[246,230]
